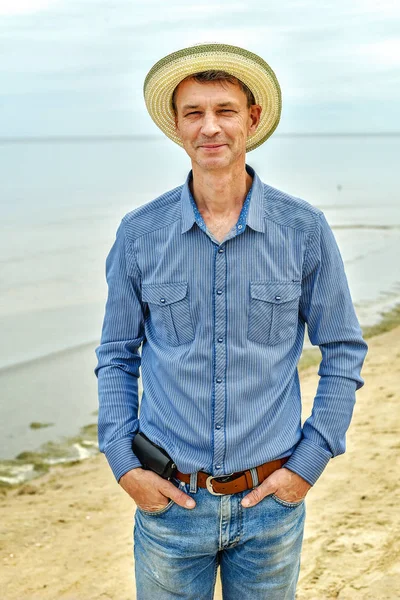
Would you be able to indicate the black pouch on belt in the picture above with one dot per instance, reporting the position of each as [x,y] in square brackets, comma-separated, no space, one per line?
[153,457]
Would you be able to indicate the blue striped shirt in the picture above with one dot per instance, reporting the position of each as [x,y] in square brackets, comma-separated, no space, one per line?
[218,329]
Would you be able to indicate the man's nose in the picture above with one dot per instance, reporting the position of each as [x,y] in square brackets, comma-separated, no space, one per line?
[210,125]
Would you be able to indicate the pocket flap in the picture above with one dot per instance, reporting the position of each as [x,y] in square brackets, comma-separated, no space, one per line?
[275,291]
[163,293]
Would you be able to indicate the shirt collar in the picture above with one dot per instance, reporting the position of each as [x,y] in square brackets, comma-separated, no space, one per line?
[255,216]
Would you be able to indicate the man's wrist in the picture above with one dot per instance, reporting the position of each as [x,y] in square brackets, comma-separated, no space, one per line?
[134,474]
[298,478]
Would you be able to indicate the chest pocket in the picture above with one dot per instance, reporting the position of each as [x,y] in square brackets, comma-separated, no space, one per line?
[274,311]
[169,307]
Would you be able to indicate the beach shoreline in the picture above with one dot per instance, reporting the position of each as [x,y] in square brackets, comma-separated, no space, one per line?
[38,456]
[57,529]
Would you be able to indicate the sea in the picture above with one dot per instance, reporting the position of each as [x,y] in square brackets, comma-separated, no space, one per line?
[61,202]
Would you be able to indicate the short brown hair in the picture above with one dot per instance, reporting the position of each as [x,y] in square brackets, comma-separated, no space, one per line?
[205,76]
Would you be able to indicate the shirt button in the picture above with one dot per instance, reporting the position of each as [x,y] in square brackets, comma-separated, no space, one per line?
[240,226]
[217,466]
[218,380]
[219,292]
[220,250]
[277,298]
[162,300]
[220,339]
[218,426]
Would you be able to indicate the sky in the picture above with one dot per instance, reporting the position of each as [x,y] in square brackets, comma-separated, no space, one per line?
[76,67]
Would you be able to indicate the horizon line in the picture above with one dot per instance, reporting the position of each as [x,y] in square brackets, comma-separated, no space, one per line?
[143,137]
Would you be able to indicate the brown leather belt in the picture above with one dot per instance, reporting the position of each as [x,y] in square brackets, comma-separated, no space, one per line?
[235,482]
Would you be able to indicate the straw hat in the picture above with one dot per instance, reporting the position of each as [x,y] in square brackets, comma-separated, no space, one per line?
[252,70]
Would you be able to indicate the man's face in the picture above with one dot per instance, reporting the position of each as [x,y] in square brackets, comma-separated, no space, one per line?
[213,121]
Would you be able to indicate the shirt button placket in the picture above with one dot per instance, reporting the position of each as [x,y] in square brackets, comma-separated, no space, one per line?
[220,358]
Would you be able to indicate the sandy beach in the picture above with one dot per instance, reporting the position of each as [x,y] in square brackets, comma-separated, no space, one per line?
[68,534]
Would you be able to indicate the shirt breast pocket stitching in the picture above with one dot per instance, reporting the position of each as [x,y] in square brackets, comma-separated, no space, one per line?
[273,313]
[169,305]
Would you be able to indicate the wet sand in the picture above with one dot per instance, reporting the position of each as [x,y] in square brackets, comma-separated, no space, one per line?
[68,534]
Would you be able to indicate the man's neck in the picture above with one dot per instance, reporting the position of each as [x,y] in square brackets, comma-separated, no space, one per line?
[220,193]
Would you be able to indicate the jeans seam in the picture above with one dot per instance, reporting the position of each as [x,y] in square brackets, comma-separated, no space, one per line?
[215,574]
[240,525]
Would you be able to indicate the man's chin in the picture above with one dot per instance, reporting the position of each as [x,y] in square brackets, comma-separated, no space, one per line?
[213,163]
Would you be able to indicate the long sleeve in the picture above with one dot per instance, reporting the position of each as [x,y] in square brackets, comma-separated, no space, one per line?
[119,359]
[326,306]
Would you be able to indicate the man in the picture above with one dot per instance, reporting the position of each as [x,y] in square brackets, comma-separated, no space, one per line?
[217,279]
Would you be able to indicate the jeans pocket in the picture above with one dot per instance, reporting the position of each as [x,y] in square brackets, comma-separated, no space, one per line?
[154,513]
[170,316]
[285,503]
[274,311]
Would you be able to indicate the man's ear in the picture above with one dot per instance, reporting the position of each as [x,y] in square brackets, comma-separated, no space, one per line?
[254,118]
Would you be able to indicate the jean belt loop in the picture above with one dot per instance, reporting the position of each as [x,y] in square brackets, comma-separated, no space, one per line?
[254,476]
[193,483]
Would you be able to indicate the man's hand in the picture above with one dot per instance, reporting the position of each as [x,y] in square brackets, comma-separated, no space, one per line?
[151,492]
[285,484]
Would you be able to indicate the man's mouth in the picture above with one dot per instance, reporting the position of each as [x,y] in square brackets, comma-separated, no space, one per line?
[212,146]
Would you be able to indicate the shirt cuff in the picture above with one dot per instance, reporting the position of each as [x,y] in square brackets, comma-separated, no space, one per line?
[121,457]
[308,460]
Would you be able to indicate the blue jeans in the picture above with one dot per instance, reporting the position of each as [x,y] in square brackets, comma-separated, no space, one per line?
[177,551]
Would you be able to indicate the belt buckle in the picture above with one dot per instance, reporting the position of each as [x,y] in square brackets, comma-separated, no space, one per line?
[209,484]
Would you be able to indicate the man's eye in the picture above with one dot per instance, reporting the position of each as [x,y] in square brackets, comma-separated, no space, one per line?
[195,112]
[227,110]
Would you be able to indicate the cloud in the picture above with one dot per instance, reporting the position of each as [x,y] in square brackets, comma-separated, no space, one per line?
[21,7]
[71,54]
[385,53]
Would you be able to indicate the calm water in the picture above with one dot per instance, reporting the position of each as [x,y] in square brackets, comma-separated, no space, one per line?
[60,206]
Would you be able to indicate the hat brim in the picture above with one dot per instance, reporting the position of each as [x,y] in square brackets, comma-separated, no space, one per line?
[251,69]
